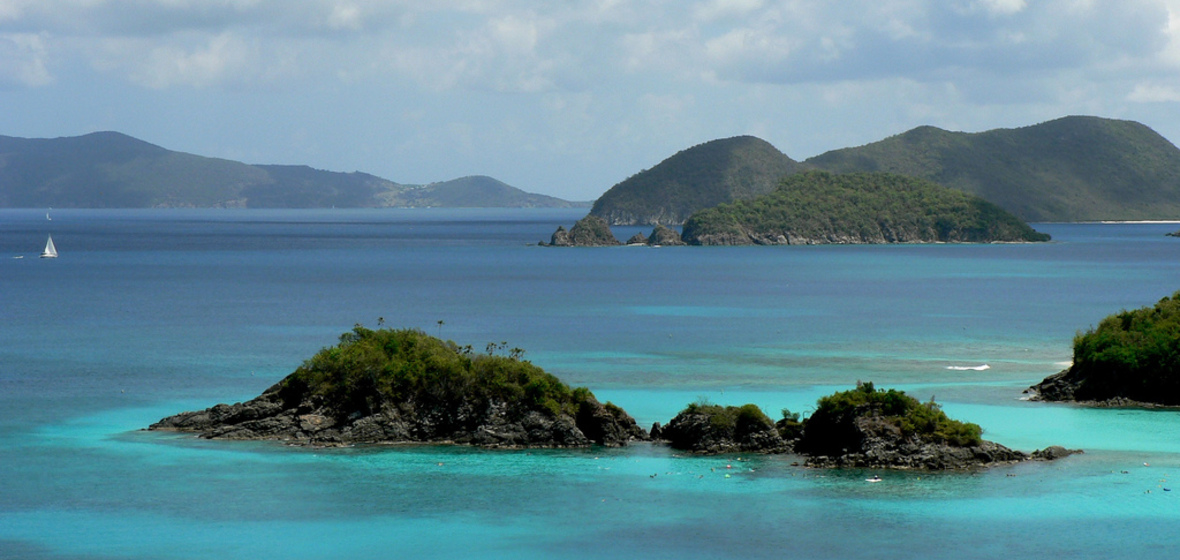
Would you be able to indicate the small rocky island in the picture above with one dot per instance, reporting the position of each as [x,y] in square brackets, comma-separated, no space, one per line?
[818,207]
[660,236]
[1129,359]
[590,231]
[862,428]
[403,386]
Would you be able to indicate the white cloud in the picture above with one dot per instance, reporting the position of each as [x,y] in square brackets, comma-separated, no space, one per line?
[1001,7]
[224,60]
[345,16]
[1154,93]
[23,60]
[718,9]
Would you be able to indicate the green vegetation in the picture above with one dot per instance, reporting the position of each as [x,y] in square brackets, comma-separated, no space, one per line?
[821,207]
[925,420]
[1069,169]
[832,425]
[700,177]
[790,427]
[475,192]
[1131,354]
[732,422]
[370,368]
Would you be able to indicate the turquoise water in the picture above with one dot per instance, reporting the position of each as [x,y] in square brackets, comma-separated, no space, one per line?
[148,313]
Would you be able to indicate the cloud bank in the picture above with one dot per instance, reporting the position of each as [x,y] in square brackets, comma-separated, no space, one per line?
[439,89]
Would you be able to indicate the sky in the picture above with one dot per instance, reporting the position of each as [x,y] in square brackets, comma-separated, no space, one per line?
[569,97]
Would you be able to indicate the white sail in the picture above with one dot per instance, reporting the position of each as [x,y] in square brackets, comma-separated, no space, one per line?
[50,251]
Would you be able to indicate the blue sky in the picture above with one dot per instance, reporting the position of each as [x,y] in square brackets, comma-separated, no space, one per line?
[569,97]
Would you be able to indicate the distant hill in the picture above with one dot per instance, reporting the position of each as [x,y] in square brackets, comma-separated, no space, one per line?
[113,170]
[818,207]
[110,170]
[700,177]
[300,186]
[476,191]
[1069,169]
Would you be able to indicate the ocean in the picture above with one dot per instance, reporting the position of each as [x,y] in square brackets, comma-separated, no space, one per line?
[147,313]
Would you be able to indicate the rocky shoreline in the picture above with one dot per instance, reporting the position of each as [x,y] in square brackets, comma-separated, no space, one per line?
[501,424]
[1062,387]
[864,436]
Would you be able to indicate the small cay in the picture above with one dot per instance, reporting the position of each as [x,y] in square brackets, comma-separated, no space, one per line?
[861,428]
[404,386]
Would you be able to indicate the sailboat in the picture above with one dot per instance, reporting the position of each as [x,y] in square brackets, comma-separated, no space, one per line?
[50,251]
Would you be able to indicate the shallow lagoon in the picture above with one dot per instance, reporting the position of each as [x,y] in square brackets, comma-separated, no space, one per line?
[151,312]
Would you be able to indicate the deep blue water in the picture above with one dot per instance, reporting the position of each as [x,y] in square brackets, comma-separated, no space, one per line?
[150,312]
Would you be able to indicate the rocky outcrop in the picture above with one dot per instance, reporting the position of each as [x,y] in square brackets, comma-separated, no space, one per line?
[1057,387]
[308,421]
[1068,386]
[664,235]
[403,386]
[711,429]
[590,231]
[842,433]
[637,239]
[560,238]
[872,442]
[865,437]
[660,236]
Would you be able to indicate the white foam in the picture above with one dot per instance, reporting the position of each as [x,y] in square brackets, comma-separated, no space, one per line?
[969,368]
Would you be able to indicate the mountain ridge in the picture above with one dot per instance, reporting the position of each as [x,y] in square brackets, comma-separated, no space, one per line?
[110,169]
[1075,168]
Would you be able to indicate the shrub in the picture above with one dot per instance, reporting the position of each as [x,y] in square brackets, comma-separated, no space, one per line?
[371,367]
[1132,354]
[924,420]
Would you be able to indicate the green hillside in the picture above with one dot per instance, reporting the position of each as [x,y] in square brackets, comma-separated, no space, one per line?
[1069,169]
[817,207]
[300,186]
[113,170]
[476,191]
[700,177]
